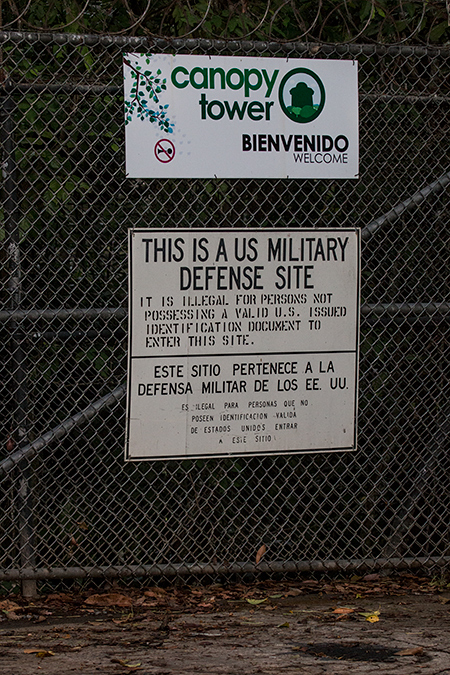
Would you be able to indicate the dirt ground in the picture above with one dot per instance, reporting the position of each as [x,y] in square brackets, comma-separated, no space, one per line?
[371,625]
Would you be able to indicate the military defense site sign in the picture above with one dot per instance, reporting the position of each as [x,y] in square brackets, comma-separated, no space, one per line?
[242,342]
[229,117]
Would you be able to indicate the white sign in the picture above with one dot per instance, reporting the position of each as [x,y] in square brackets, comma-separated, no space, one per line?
[232,117]
[242,342]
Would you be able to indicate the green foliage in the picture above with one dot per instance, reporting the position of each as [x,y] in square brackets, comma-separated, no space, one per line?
[383,21]
[146,84]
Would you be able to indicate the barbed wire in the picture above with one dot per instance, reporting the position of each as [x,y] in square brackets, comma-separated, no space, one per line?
[390,22]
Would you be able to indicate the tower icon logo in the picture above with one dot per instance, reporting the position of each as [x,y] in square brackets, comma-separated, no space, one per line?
[301,95]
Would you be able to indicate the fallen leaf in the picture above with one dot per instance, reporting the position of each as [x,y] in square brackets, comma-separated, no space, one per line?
[276,597]
[126,664]
[60,597]
[156,592]
[260,553]
[371,617]
[293,592]
[42,653]
[413,651]
[11,615]
[371,577]
[253,601]
[109,600]
[8,606]
[343,610]
[82,525]
[444,600]
[283,625]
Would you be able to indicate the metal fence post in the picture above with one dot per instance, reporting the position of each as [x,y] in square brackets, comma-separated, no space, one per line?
[17,355]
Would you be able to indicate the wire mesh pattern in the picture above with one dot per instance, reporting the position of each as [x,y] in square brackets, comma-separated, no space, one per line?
[70,506]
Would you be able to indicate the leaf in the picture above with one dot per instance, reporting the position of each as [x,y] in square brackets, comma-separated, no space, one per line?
[293,593]
[253,601]
[343,610]
[41,653]
[126,664]
[260,553]
[8,606]
[371,617]
[109,600]
[276,597]
[371,577]
[413,651]
[438,31]
[283,625]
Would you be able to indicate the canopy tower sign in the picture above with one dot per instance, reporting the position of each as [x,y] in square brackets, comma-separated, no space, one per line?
[229,117]
[242,342]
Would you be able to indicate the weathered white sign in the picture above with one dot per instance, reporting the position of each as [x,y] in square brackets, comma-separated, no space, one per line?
[240,117]
[242,342]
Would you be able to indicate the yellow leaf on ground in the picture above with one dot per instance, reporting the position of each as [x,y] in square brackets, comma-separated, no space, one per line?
[252,601]
[372,617]
[39,652]
[126,664]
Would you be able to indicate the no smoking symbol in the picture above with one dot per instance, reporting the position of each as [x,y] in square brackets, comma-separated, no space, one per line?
[164,151]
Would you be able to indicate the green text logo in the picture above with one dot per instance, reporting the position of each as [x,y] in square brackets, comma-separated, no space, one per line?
[302,95]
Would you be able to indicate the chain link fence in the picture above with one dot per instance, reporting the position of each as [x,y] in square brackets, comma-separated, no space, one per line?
[69,505]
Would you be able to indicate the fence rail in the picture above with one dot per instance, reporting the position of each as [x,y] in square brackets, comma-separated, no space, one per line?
[69,505]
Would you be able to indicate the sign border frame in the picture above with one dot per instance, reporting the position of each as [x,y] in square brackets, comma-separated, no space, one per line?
[262,453]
